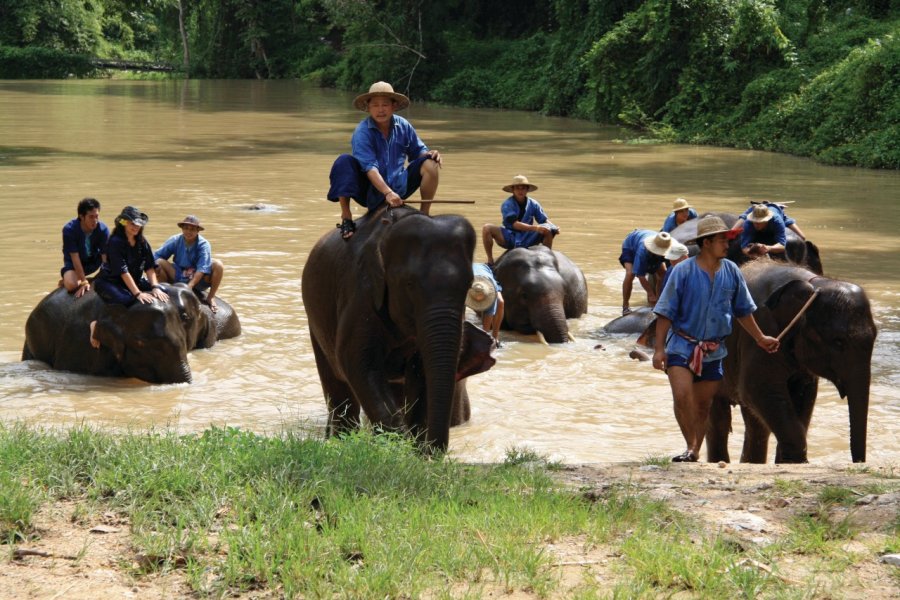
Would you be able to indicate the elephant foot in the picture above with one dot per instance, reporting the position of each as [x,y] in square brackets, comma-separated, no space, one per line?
[686,456]
[95,343]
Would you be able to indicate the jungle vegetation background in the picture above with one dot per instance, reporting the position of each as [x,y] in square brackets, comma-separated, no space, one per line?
[818,78]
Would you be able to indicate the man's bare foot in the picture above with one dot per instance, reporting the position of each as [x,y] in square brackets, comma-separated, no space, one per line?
[95,343]
[212,305]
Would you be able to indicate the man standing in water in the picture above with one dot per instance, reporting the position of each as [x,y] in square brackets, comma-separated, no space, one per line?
[698,302]
[376,171]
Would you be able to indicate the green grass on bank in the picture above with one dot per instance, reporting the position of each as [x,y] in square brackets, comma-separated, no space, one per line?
[367,517]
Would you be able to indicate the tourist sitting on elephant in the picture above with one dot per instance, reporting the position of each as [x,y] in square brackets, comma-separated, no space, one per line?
[698,304]
[776,208]
[763,233]
[524,221]
[192,261]
[486,299]
[376,171]
[643,253]
[84,247]
[682,211]
[128,276]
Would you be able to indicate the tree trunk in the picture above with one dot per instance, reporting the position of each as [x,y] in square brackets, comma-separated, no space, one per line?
[184,41]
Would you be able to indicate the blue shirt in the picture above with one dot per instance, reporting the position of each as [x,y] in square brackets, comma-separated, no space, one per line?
[188,259]
[773,233]
[388,155]
[777,209]
[485,271]
[701,308]
[669,224]
[511,211]
[90,248]
[644,260]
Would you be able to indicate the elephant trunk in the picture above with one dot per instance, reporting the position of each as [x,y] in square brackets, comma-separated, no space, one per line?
[441,338]
[858,405]
[550,320]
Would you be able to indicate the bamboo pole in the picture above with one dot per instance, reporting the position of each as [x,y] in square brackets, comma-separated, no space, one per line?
[798,315]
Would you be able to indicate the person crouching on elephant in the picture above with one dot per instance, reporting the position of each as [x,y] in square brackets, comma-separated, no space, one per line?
[192,262]
[128,275]
[764,233]
[777,209]
[694,315]
[643,253]
[376,171]
[485,299]
[84,247]
[525,223]
[682,212]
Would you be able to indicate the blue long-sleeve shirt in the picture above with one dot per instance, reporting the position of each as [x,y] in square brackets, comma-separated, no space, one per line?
[388,155]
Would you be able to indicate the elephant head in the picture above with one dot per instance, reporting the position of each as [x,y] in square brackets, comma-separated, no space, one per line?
[541,289]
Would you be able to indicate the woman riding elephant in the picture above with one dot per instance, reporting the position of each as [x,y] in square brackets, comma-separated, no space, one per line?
[385,312]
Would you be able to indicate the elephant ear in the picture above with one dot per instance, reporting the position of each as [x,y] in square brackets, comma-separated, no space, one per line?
[371,271]
[475,354]
[109,331]
[813,260]
[785,302]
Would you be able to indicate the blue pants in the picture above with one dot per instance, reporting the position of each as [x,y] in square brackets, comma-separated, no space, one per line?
[117,293]
[348,180]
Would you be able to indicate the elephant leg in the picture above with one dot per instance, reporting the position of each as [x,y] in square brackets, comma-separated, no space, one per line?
[462,410]
[343,409]
[756,438]
[789,431]
[718,427]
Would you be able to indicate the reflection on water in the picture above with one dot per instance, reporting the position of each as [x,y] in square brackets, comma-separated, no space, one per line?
[217,148]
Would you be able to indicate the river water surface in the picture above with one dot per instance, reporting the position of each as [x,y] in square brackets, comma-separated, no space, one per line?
[215,149]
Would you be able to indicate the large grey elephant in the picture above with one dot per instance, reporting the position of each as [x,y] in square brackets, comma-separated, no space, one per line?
[777,392]
[541,289]
[385,312]
[147,341]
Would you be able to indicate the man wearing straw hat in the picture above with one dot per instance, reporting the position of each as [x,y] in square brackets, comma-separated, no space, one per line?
[694,316]
[485,299]
[525,223]
[192,261]
[777,208]
[643,252]
[682,212]
[763,233]
[376,171]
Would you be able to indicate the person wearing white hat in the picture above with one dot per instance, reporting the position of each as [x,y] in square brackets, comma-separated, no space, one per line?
[525,223]
[643,253]
[763,232]
[377,170]
[486,299]
[192,262]
[694,314]
[682,211]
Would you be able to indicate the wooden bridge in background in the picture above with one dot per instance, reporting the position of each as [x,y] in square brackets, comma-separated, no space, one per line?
[131,65]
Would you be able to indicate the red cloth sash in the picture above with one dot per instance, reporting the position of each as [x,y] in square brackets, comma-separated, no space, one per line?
[701,349]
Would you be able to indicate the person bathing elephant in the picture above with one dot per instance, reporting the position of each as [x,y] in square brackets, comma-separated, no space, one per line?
[386,321]
[541,288]
[833,339]
[148,341]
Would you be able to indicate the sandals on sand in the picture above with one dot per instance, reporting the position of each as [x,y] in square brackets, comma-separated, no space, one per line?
[347,227]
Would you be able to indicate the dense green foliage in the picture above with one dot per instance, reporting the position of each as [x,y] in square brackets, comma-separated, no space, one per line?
[812,77]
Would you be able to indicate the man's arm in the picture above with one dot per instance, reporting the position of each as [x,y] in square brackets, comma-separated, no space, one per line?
[663,324]
[766,342]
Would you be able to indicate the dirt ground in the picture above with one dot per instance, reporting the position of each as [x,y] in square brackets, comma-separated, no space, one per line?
[90,558]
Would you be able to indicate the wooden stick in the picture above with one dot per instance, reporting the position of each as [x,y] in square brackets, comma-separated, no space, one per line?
[798,315]
[440,201]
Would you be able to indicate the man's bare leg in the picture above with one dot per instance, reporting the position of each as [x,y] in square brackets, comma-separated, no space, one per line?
[215,279]
[430,171]
[490,234]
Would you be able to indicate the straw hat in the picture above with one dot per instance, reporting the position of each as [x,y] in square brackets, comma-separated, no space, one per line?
[760,214]
[482,294]
[130,213]
[519,180]
[711,225]
[380,88]
[680,204]
[660,244]
[191,220]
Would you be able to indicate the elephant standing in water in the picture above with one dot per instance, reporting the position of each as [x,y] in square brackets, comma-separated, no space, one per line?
[147,341]
[385,312]
[541,288]
[777,392]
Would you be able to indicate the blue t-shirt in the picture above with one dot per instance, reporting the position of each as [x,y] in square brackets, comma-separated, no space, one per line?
[388,155]
[702,308]
[187,259]
[669,224]
[90,248]
[125,258]
[772,233]
[485,271]
[644,260]
[511,211]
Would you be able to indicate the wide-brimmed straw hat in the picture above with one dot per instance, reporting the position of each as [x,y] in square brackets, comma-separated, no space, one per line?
[130,213]
[482,294]
[677,250]
[661,245]
[711,225]
[191,220]
[680,204]
[519,180]
[760,214]
[380,88]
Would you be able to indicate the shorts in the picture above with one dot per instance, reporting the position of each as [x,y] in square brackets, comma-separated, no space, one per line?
[627,256]
[712,370]
[348,180]
[521,239]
